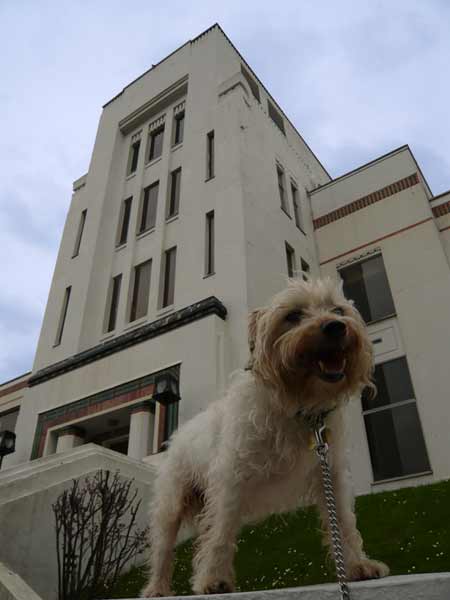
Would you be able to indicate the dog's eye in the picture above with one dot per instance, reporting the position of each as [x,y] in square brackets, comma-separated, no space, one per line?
[294,317]
[338,311]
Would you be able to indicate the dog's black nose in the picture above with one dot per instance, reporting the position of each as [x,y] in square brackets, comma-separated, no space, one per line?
[334,329]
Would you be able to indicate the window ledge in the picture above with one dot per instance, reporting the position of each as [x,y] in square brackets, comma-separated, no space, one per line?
[402,478]
[209,275]
[162,312]
[180,145]
[130,176]
[75,255]
[172,218]
[108,336]
[210,178]
[302,230]
[391,316]
[142,234]
[120,247]
[153,162]
[136,323]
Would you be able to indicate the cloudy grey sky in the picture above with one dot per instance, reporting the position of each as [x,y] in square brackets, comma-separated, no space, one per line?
[357,77]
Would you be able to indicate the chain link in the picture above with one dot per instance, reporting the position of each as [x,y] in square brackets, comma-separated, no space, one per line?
[322,453]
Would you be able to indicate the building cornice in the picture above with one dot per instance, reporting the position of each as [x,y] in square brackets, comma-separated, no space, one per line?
[189,314]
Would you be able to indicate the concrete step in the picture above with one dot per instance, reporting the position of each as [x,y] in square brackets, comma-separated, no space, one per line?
[429,586]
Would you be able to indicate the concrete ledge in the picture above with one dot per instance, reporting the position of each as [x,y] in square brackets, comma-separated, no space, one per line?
[13,587]
[429,586]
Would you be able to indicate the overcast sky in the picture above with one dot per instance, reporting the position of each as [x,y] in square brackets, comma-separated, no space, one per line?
[357,77]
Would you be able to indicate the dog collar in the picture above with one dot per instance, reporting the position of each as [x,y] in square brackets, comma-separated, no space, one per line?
[316,425]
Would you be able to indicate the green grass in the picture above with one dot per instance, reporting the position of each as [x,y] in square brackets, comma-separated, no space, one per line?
[408,529]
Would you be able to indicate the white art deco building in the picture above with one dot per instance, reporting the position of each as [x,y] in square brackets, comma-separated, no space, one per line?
[201,197]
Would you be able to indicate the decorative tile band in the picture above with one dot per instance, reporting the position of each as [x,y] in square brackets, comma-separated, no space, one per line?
[189,314]
[361,203]
[442,209]
[91,405]
[14,388]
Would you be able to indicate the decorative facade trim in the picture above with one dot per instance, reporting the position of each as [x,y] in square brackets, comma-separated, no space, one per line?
[442,209]
[189,314]
[359,257]
[344,211]
[91,405]
[384,237]
[14,388]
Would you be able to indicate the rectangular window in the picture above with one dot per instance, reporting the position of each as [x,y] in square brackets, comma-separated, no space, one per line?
[210,155]
[290,260]
[297,207]
[367,284]
[394,433]
[305,269]
[281,189]
[141,290]
[76,248]
[124,222]
[114,302]
[251,82]
[149,206]
[63,315]
[209,255]
[156,143]
[133,157]
[178,128]
[168,292]
[174,195]
[276,117]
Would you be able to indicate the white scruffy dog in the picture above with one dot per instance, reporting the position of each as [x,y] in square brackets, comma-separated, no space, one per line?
[249,454]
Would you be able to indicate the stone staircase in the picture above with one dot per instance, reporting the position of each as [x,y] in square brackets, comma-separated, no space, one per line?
[429,586]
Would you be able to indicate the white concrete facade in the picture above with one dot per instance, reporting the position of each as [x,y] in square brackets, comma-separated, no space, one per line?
[97,381]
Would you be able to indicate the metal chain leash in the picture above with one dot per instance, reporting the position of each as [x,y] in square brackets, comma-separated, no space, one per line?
[322,452]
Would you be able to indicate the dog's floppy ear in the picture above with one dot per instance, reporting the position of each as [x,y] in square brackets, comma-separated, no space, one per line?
[253,319]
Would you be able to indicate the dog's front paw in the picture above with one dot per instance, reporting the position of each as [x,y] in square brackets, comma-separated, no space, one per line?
[367,569]
[218,587]
[155,591]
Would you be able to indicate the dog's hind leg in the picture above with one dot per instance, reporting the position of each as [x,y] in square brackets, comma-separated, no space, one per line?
[166,517]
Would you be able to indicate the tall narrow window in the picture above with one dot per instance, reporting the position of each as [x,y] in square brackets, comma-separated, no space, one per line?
[178,128]
[174,195]
[149,206]
[305,269]
[114,302]
[367,284]
[76,248]
[210,155]
[133,157]
[281,189]
[168,291]
[290,260]
[124,221]
[63,315]
[209,258]
[141,290]
[394,433]
[276,117]
[297,207]
[251,82]
[156,143]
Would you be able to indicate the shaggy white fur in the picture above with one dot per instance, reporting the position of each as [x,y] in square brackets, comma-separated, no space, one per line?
[248,455]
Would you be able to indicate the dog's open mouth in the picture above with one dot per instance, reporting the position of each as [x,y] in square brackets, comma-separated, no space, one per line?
[331,366]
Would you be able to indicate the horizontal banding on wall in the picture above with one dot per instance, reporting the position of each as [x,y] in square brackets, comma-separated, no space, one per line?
[361,203]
